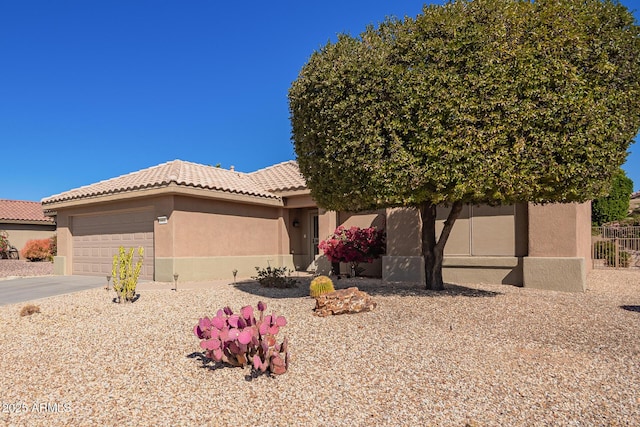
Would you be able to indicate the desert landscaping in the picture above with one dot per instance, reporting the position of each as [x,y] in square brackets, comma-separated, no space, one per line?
[474,354]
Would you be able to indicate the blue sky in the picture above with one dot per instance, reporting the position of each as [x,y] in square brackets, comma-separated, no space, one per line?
[90,90]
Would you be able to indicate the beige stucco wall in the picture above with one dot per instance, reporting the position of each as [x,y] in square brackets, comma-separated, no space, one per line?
[217,228]
[485,245]
[202,238]
[555,229]
[559,246]
[19,234]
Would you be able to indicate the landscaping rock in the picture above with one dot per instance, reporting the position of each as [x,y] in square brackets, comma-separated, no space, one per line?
[343,301]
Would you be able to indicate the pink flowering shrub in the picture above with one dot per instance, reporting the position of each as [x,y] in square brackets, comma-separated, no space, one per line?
[354,245]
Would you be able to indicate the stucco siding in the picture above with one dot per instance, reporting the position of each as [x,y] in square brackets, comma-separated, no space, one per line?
[212,228]
[20,234]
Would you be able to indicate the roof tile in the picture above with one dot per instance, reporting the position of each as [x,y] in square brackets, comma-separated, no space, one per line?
[19,210]
[262,183]
[281,177]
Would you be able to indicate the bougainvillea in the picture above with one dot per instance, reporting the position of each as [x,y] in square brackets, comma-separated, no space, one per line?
[354,245]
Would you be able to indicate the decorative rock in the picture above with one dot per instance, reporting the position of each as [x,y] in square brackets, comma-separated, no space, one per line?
[343,301]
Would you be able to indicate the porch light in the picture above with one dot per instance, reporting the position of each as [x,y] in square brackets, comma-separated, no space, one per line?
[175,282]
[296,223]
[162,220]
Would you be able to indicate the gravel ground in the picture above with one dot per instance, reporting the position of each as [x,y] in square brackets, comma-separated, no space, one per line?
[479,355]
[10,268]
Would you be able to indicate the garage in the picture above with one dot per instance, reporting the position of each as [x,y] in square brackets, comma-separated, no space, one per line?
[96,238]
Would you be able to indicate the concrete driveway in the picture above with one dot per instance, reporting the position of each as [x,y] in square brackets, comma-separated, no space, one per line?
[31,288]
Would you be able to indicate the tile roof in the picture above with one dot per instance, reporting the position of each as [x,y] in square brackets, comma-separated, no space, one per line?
[284,176]
[186,174]
[19,210]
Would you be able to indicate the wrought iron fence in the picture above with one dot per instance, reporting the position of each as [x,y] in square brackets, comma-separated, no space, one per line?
[615,247]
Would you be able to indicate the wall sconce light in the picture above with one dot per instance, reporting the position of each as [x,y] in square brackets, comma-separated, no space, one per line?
[162,220]
[296,223]
[175,282]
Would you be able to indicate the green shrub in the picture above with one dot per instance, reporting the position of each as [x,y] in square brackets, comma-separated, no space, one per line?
[615,206]
[275,277]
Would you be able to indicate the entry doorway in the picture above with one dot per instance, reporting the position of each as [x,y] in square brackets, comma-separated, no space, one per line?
[314,239]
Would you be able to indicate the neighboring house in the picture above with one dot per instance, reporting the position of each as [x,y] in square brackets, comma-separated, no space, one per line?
[634,203]
[203,222]
[25,221]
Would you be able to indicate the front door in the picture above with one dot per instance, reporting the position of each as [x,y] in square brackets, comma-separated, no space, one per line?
[314,238]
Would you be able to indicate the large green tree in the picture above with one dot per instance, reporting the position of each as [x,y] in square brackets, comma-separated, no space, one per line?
[484,102]
[615,205]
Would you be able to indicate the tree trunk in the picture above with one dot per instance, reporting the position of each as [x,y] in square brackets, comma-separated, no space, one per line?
[432,250]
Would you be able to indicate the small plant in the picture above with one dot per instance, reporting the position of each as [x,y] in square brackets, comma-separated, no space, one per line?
[29,309]
[606,250]
[125,274]
[241,339]
[4,241]
[53,246]
[37,250]
[320,285]
[275,277]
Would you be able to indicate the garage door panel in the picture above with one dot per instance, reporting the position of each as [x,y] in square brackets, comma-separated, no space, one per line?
[97,238]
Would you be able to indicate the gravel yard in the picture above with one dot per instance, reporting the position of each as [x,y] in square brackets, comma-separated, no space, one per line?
[22,268]
[483,355]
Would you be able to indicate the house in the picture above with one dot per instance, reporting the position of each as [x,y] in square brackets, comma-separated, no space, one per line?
[23,221]
[204,222]
[634,202]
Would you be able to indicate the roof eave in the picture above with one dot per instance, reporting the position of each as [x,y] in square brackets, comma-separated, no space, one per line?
[292,192]
[27,221]
[170,189]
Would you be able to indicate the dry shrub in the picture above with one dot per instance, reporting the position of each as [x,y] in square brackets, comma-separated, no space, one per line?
[29,309]
[37,250]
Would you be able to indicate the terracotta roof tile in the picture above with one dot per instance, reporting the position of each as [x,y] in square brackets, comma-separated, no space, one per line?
[19,210]
[183,173]
[281,177]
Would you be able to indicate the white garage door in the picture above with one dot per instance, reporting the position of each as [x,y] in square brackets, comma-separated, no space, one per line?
[96,239]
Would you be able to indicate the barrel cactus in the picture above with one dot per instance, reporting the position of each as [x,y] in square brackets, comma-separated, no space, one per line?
[321,285]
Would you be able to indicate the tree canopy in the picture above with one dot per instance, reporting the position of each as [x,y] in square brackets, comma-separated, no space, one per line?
[615,205]
[483,101]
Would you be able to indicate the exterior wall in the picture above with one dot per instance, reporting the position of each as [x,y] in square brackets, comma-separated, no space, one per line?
[19,234]
[201,239]
[486,245]
[208,239]
[559,246]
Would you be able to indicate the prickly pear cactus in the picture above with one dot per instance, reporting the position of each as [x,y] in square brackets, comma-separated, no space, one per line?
[320,285]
